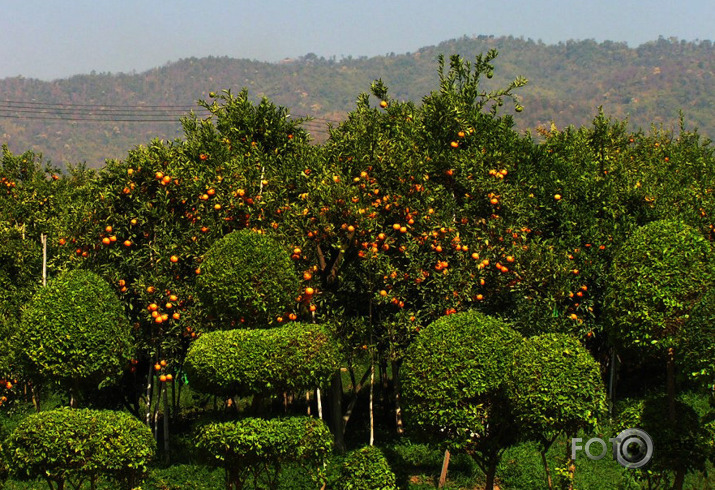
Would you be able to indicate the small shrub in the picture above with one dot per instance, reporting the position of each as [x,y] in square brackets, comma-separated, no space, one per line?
[364,469]
[73,445]
[261,447]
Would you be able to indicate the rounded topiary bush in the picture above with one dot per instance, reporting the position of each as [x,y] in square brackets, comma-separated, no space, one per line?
[249,446]
[75,331]
[364,469]
[249,275]
[657,277]
[554,386]
[70,445]
[454,386]
[298,356]
[453,368]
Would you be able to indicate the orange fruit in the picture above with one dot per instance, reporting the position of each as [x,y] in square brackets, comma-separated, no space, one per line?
[383,104]
[106,240]
[174,258]
[157,367]
[557,197]
[309,291]
[127,243]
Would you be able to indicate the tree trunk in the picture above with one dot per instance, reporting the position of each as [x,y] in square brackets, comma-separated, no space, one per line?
[336,411]
[372,412]
[671,385]
[167,448]
[490,474]
[398,407]
[149,389]
[546,469]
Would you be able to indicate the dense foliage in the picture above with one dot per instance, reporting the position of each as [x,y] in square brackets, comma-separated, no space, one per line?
[75,331]
[75,445]
[252,447]
[658,276]
[364,469]
[296,357]
[246,276]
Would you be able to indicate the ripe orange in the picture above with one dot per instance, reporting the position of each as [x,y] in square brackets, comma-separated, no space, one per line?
[106,240]
[557,197]
[127,243]
[176,316]
[159,175]
[174,258]
[162,378]
[309,291]
[150,289]
[157,367]
[479,297]
[383,104]
[108,229]
[62,241]
[313,307]
[454,144]
[396,226]
[307,276]
[169,378]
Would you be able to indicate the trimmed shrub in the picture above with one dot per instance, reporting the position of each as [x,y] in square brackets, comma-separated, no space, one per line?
[298,356]
[453,385]
[74,445]
[74,331]
[657,278]
[555,386]
[247,275]
[261,447]
[364,469]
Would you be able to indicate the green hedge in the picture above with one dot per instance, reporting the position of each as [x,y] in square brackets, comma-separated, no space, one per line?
[297,356]
[75,331]
[364,469]
[74,445]
[261,447]
[247,275]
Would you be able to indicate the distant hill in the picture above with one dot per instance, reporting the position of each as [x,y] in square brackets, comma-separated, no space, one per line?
[98,116]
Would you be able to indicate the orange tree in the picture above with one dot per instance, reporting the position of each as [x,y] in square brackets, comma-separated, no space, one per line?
[155,213]
[35,199]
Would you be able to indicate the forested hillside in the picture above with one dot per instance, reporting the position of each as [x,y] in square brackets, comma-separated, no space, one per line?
[102,115]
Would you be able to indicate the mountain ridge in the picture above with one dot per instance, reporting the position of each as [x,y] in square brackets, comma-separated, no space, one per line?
[650,84]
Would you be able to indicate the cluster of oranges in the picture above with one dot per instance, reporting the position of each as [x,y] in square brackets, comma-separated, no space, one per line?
[160,368]
[8,385]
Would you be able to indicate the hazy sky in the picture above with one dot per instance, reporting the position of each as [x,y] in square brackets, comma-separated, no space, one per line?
[50,39]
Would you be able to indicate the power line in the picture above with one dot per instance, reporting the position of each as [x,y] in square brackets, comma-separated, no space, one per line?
[32,110]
